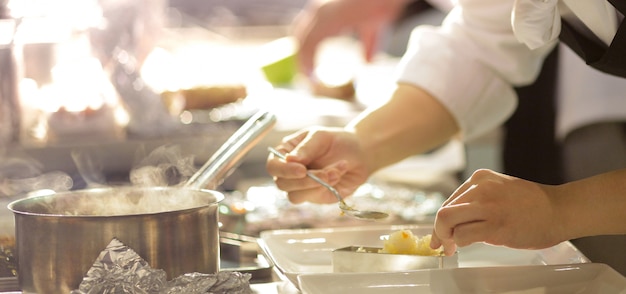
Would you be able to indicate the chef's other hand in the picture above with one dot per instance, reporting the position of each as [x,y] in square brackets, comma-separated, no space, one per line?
[332,154]
[321,19]
[500,210]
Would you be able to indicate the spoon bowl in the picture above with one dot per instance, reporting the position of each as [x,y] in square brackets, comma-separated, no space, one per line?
[345,208]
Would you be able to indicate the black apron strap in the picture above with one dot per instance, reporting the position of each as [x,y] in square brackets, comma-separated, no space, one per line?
[620,5]
[611,59]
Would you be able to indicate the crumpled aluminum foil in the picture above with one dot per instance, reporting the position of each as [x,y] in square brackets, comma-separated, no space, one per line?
[120,270]
[222,282]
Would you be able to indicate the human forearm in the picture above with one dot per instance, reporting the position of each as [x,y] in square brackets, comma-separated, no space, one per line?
[592,206]
[321,19]
[411,122]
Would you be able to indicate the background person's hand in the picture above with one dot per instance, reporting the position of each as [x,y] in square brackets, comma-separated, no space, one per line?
[321,19]
[498,209]
[332,154]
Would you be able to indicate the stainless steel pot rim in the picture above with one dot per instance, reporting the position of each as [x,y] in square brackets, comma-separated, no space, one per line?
[17,206]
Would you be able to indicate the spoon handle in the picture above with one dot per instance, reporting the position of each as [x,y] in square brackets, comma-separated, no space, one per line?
[230,154]
[312,176]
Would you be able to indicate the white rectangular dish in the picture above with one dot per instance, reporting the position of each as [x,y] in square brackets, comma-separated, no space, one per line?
[309,251]
[589,278]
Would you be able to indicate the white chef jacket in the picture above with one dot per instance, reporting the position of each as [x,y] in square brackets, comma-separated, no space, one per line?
[474,59]
[586,95]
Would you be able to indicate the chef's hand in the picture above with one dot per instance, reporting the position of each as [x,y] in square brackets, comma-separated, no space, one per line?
[332,154]
[500,210]
[321,19]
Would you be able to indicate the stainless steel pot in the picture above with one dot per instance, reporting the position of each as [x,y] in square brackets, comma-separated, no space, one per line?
[58,243]
[59,236]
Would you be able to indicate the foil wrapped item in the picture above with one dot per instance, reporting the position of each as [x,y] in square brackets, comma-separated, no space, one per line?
[119,269]
[220,283]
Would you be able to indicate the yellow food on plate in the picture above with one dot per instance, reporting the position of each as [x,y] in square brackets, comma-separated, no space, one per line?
[405,242]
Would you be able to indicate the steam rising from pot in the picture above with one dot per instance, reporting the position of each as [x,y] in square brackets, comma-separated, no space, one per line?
[20,175]
[164,166]
[121,201]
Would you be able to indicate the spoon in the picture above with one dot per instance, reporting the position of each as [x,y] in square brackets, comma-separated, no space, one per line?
[342,205]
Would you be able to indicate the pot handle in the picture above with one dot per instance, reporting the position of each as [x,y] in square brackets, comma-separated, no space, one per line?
[229,155]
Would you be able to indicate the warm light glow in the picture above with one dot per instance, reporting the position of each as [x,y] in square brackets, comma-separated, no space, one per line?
[186,117]
[40,130]
[89,11]
[77,86]
[122,118]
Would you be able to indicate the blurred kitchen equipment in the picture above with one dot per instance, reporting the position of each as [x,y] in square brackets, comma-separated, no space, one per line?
[59,236]
[148,116]
[132,26]
[10,120]
[345,208]
[242,254]
[128,32]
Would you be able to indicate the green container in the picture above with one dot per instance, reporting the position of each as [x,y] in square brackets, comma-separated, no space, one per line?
[279,61]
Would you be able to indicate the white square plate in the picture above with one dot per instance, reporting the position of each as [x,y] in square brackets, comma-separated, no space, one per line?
[589,278]
[309,251]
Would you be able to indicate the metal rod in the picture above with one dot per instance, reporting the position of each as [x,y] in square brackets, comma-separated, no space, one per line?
[229,155]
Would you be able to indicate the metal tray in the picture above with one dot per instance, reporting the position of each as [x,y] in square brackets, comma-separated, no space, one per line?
[242,254]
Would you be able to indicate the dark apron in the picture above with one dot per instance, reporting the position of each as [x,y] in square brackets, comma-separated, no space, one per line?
[611,59]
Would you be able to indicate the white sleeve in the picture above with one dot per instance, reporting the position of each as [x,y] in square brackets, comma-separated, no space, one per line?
[471,64]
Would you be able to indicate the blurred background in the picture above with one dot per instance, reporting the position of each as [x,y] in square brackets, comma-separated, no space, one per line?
[92,94]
